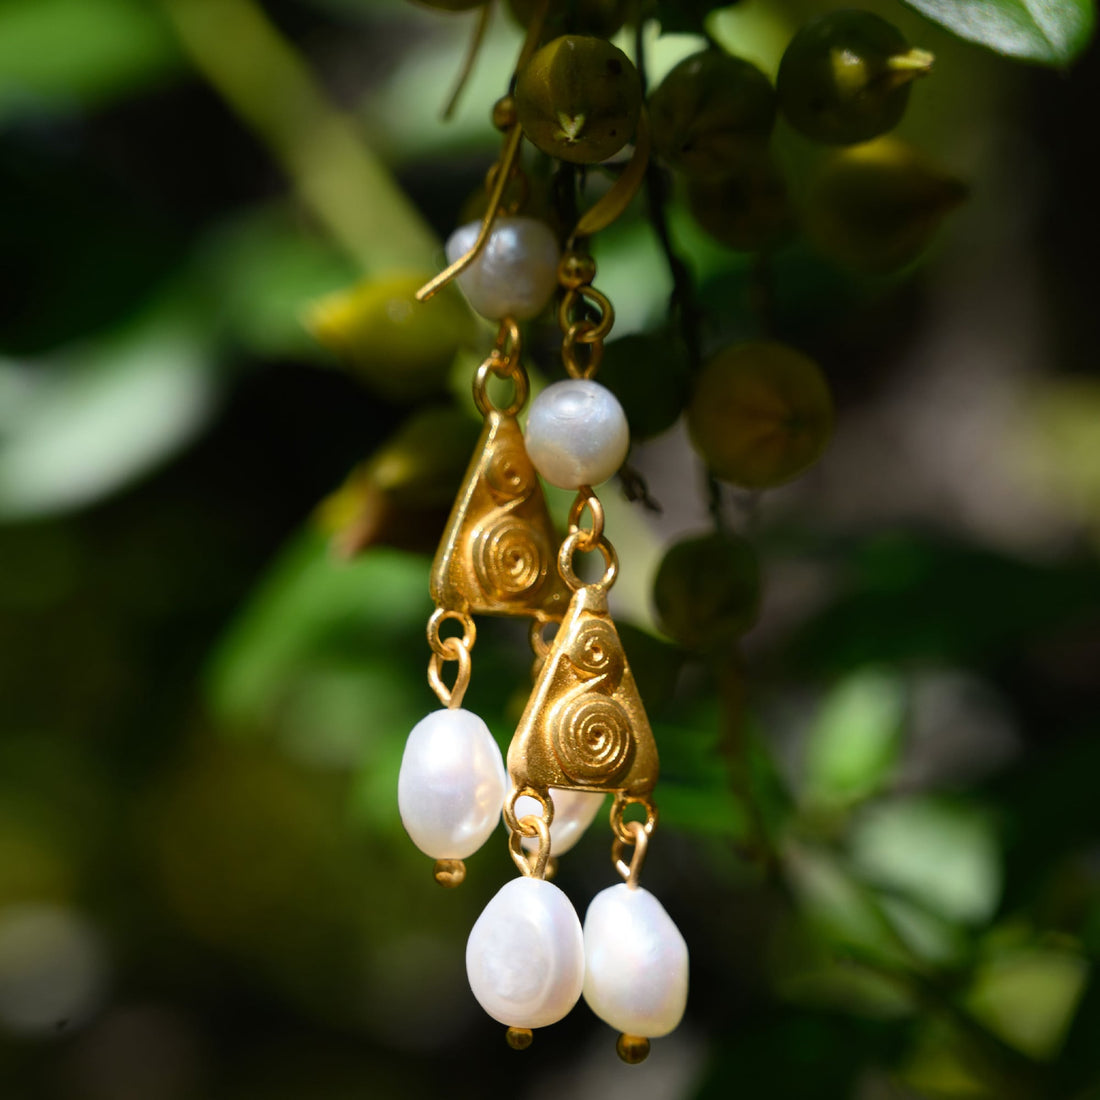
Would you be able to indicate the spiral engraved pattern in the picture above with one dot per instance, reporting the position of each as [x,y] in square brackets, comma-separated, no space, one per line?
[595,650]
[509,475]
[592,739]
[510,558]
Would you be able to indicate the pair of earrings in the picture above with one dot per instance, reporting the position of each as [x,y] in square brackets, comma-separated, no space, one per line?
[584,731]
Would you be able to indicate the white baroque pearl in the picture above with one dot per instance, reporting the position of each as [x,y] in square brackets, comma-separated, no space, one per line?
[516,272]
[525,955]
[577,433]
[636,962]
[451,786]
[574,811]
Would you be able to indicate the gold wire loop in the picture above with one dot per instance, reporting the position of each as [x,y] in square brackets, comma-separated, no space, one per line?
[450,697]
[508,342]
[639,838]
[590,536]
[601,327]
[539,643]
[545,805]
[623,829]
[531,865]
[440,646]
[575,541]
[520,387]
[503,362]
[569,351]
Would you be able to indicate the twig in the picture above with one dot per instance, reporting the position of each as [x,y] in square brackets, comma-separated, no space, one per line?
[259,74]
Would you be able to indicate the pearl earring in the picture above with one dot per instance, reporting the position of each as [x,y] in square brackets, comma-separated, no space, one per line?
[584,733]
[496,555]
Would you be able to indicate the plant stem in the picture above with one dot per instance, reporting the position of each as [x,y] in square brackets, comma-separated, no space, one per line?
[682,303]
[259,74]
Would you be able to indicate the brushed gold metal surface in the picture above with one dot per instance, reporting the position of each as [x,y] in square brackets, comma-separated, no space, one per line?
[584,727]
[497,556]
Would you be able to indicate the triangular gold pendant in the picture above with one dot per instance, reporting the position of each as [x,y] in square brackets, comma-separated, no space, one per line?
[584,727]
[498,555]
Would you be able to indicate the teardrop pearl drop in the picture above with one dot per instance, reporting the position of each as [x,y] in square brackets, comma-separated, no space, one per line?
[525,955]
[574,811]
[516,272]
[451,786]
[577,433]
[636,963]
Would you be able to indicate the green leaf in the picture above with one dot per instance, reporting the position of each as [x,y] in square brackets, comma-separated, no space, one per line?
[327,643]
[1028,996]
[1050,32]
[943,855]
[69,53]
[88,422]
[951,597]
[854,744]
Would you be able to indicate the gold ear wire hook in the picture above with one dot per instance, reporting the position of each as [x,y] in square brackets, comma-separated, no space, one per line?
[504,169]
[618,197]
[476,42]
[503,173]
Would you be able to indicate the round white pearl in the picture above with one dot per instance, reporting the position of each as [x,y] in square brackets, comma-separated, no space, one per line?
[574,811]
[525,955]
[577,433]
[452,783]
[516,272]
[636,963]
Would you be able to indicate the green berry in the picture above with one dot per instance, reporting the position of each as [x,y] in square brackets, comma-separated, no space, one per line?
[707,590]
[761,413]
[747,210]
[875,208]
[649,374]
[579,99]
[710,112]
[845,77]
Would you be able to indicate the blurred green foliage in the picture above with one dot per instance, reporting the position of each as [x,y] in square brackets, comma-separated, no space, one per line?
[878,814]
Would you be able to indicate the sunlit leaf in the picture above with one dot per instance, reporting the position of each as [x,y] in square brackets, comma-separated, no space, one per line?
[1052,32]
[1028,996]
[854,744]
[69,53]
[90,421]
[941,854]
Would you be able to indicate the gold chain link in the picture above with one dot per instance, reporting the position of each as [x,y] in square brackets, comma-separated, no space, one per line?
[622,829]
[589,536]
[503,362]
[453,648]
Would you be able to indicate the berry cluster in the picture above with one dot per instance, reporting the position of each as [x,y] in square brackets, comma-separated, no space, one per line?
[758,412]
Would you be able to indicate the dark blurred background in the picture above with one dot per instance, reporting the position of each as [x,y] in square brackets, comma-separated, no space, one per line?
[879,822]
